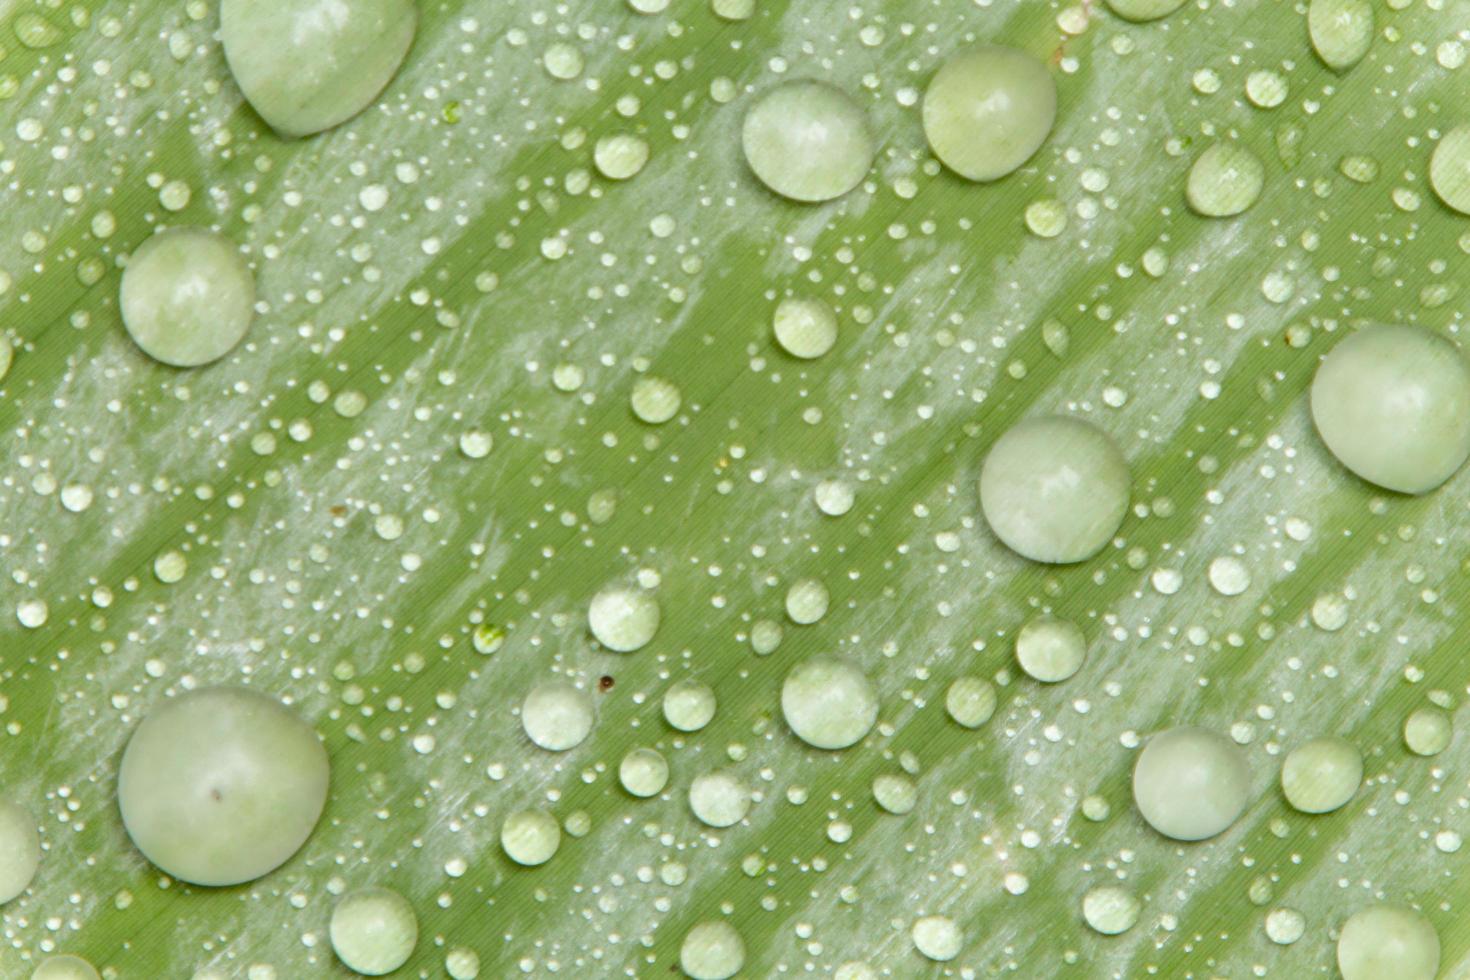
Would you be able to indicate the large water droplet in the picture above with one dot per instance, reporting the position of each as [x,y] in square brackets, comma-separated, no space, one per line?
[557,716]
[187,296]
[1321,775]
[829,703]
[1225,181]
[20,850]
[988,110]
[623,618]
[712,951]
[374,931]
[808,141]
[1388,941]
[1341,31]
[1191,783]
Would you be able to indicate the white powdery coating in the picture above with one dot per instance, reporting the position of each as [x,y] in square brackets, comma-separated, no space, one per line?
[623,618]
[829,703]
[557,716]
[1191,783]
[374,931]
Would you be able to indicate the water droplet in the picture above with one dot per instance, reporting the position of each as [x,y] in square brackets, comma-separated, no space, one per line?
[1144,10]
[476,444]
[895,792]
[1428,731]
[1229,575]
[1392,403]
[1388,941]
[1046,218]
[655,400]
[1055,489]
[32,613]
[804,328]
[563,60]
[1225,181]
[530,837]
[808,141]
[689,705]
[1321,775]
[1285,926]
[557,716]
[970,701]
[719,798]
[937,937]
[833,497]
[20,843]
[65,967]
[170,567]
[1110,910]
[1050,650]
[1191,783]
[1449,169]
[806,601]
[187,297]
[1341,31]
[374,931]
[988,110]
[829,703]
[644,772]
[623,619]
[620,156]
[712,951]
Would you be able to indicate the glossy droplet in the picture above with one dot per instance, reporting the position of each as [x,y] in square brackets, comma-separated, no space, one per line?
[712,951]
[221,785]
[1449,169]
[623,618]
[1144,10]
[1392,403]
[530,837]
[309,65]
[620,156]
[1110,910]
[1321,775]
[187,296]
[829,703]
[808,141]
[1225,181]
[1388,942]
[1428,731]
[1055,489]
[689,705]
[937,937]
[644,772]
[806,601]
[970,701]
[655,400]
[895,792]
[557,716]
[719,798]
[65,967]
[988,110]
[374,931]
[805,328]
[1341,31]
[1191,783]
[20,850]
[1050,649]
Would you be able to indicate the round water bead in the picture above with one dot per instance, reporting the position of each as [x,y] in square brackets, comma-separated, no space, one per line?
[1050,649]
[1428,731]
[20,850]
[1392,403]
[829,703]
[1109,909]
[557,716]
[895,792]
[655,400]
[620,156]
[1322,774]
[719,798]
[1191,783]
[804,328]
[937,937]
[309,65]
[1388,941]
[712,951]
[187,296]
[644,772]
[1449,169]
[622,618]
[1055,489]
[530,837]
[1225,181]
[374,931]
[988,110]
[806,601]
[808,141]
[1341,31]
[65,967]
[1142,10]
[689,705]
[462,963]
[221,785]
[970,701]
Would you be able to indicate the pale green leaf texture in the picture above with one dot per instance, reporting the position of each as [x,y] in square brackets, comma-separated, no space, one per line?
[426,268]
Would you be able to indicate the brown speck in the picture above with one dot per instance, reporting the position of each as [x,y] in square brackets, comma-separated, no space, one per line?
[605,682]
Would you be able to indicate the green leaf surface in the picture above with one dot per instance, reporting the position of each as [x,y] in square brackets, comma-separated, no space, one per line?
[443,258]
